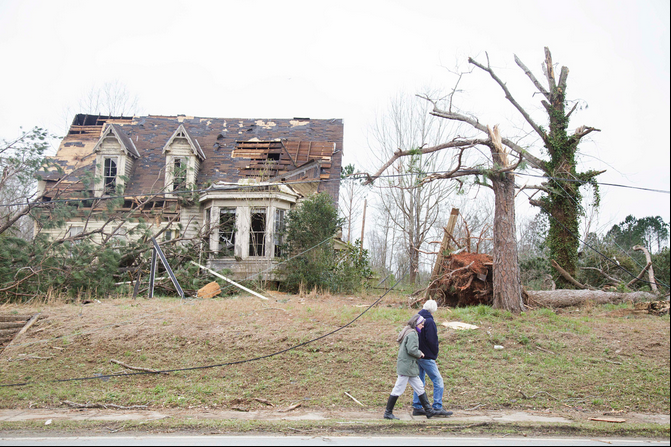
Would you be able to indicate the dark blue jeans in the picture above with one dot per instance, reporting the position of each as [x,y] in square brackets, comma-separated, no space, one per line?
[429,367]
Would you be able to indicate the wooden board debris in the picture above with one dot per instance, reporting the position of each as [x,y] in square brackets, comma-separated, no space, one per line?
[209,290]
[458,325]
[613,420]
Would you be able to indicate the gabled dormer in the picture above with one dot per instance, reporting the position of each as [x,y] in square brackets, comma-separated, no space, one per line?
[183,156]
[115,155]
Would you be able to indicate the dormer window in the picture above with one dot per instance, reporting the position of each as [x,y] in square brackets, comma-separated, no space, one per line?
[182,160]
[179,168]
[115,155]
[109,175]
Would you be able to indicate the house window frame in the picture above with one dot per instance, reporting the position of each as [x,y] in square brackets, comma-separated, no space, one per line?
[181,182]
[279,227]
[109,187]
[258,245]
[223,251]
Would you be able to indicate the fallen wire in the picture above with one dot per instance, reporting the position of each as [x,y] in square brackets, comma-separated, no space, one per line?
[106,377]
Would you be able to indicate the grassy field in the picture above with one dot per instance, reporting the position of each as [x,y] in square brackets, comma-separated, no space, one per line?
[589,360]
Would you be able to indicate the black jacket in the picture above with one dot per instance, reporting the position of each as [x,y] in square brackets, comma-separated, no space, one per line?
[428,337]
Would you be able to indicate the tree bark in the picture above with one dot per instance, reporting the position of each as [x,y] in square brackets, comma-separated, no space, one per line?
[507,287]
[567,298]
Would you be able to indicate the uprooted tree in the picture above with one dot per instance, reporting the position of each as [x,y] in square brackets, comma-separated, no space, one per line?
[562,196]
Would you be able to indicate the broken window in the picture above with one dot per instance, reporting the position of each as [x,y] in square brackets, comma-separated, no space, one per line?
[109,176]
[257,232]
[279,233]
[227,232]
[179,174]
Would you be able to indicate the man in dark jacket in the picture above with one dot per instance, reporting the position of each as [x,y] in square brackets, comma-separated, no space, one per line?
[428,344]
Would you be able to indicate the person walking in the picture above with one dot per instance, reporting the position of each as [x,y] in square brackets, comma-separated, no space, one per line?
[428,344]
[407,368]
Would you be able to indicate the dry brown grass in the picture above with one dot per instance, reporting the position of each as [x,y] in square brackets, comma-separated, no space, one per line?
[585,360]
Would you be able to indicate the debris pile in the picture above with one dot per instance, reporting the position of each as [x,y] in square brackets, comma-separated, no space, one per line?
[465,279]
[12,326]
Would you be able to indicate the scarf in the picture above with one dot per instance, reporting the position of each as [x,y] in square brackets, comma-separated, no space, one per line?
[412,324]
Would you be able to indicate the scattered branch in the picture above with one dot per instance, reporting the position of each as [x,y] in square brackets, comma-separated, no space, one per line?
[568,276]
[352,397]
[291,408]
[610,278]
[105,406]
[640,275]
[137,368]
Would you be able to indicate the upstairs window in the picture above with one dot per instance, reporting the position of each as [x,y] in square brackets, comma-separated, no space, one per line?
[109,176]
[179,174]
[257,232]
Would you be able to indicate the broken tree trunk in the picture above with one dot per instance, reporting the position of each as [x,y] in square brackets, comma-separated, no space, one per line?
[444,250]
[567,276]
[568,298]
[648,260]
[507,288]
[640,275]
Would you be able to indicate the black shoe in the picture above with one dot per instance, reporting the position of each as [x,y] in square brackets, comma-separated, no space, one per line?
[427,406]
[391,402]
[418,411]
[442,413]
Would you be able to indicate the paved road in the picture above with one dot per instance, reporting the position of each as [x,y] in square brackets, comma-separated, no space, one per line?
[320,441]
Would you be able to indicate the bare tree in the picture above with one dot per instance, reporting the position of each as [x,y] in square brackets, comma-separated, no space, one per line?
[507,287]
[412,206]
[562,202]
[352,194]
[562,198]
[112,98]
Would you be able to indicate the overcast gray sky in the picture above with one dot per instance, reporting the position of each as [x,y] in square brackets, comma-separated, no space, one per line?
[347,59]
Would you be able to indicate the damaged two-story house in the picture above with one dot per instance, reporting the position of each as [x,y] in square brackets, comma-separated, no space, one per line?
[247,174]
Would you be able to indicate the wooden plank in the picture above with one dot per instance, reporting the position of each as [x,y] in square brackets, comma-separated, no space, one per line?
[15,317]
[230,281]
[614,420]
[11,325]
[298,148]
[9,332]
[22,331]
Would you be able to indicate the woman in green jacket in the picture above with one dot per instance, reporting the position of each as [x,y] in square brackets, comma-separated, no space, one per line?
[407,367]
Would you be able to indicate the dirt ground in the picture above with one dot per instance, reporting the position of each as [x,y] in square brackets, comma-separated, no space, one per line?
[593,363]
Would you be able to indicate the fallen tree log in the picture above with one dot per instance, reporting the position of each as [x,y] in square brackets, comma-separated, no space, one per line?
[567,298]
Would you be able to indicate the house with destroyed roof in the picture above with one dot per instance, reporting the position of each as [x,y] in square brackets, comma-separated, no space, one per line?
[247,173]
